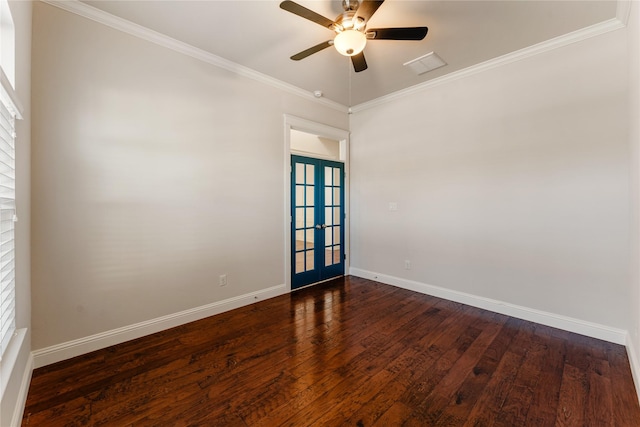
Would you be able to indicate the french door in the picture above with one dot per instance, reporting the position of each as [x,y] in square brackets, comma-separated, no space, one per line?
[317,220]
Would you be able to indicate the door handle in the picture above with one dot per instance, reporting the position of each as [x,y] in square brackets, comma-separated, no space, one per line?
[321,226]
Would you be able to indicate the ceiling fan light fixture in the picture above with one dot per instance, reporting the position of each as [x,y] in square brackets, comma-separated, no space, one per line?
[350,42]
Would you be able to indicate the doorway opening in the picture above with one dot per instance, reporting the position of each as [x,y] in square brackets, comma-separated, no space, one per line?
[317,225]
[316,202]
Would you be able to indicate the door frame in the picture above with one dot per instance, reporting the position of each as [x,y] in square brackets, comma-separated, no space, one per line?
[319,129]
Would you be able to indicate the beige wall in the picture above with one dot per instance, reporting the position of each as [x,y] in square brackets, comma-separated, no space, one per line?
[633,37]
[511,184]
[306,144]
[11,400]
[154,173]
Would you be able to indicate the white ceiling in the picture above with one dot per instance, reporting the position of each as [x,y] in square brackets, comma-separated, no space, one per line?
[261,36]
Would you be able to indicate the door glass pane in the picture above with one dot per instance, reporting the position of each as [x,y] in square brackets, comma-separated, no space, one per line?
[310,195]
[328,200]
[327,175]
[309,240]
[328,233]
[310,219]
[327,216]
[336,196]
[299,240]
[299,195]
[336,254]
[299,173]
[336,176]
[299,217]
[310,260]
[328,257]
[300,262]
[310,174]
[336,235]
[336,216]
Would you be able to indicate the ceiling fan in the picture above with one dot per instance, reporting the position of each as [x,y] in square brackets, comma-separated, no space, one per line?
[350,28]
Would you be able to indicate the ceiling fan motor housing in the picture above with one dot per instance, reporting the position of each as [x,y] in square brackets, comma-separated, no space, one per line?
[350,4]
[350,28]
[348,21]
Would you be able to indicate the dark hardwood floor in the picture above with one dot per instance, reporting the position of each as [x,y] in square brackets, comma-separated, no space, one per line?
[350,352]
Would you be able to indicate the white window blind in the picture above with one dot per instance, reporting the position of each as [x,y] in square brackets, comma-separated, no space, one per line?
[7,218]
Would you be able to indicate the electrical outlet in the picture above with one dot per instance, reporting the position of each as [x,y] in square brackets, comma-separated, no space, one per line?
[407,264]
[223,280]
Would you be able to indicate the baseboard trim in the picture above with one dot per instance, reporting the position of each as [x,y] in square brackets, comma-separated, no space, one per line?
[634,364]
[21,401]
[69,349]
[594,330]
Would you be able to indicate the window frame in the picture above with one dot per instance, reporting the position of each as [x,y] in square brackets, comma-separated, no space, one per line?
[10,111]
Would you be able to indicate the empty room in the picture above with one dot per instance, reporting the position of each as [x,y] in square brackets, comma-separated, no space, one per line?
[327,213]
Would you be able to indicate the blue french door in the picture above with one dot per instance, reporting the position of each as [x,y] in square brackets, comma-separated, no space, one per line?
[317,220]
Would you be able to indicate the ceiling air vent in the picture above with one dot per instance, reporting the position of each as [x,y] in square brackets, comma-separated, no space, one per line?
[425,63]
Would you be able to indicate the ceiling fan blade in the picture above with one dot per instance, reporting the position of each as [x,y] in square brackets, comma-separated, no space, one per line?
[312,50]
[303,12]
[367,8]
[359,63]
[409,33]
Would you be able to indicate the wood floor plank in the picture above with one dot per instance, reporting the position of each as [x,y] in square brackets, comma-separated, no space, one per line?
[437,401]
[600,403]
[396,412]
[379,349]
[545,398]
[622,387]
[386,365]
[462,402]
[516,406]
[488,406]
[346,352]
[573,397]
[450,345]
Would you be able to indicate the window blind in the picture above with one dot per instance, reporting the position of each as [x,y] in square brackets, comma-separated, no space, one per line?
[7,218]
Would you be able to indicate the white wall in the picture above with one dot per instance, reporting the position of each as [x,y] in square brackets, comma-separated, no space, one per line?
[511,184]
[15,393]
[153,173]
[633,37]
[306,144]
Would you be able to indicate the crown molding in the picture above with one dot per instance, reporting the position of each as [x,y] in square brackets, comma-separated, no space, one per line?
[87,11]
[603,27]
[623,9]
[82,9]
